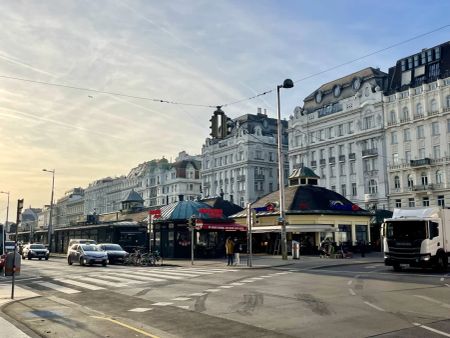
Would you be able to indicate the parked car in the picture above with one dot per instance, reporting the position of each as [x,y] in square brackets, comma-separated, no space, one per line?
[86,254]
[115,252]
[35,250]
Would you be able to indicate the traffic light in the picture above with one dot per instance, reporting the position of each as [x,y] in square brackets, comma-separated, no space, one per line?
[214,119]
[221,125]
[192,222]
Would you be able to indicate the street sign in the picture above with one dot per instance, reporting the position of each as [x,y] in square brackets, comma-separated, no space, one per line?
[156,213]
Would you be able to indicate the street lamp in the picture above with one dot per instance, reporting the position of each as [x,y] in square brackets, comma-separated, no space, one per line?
[286,84]
[6,222]
[50,222]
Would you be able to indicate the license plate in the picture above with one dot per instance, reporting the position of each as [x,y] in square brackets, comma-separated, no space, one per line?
[98,260]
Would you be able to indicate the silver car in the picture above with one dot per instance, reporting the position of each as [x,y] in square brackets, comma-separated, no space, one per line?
[35,251]
[86,254]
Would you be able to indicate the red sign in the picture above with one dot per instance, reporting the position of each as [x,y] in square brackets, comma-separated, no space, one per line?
[156,213]
[217,213]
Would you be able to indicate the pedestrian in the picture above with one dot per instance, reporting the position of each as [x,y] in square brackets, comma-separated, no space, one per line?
[229,250]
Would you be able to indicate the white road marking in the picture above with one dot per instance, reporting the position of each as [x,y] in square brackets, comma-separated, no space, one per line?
[80,284]
[375,307]
[173,273]
[236,284]
[184,307]
[212,290]
[101,282]
[137,277]
[294,270]
[156,274]
[352,292]
[118,279]
[214,270]
[181,298]
[198,294]
[432,330]
[162,303]
[442,279]
[447,285]
[349,282]
[256,278]
[57,287]
[248,281]
[226,286]
[434,301]
[141,309]
[266,276]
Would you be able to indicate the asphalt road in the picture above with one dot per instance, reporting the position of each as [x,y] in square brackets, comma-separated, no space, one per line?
[300,300]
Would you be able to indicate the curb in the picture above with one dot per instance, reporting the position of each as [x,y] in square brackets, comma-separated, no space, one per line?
[18,324]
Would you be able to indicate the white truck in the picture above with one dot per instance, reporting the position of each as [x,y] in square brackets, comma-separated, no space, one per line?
[419,237]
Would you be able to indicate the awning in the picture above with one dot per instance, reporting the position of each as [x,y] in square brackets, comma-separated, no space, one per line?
[295,228]
[221,226]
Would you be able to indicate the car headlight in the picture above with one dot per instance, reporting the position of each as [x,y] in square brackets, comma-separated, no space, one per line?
[426,258]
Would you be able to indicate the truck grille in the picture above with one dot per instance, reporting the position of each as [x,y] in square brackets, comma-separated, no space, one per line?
[404,253]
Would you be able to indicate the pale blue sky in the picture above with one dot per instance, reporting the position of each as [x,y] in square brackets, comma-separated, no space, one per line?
[201,52]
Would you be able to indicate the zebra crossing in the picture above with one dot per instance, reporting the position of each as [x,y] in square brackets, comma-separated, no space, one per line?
[94,281]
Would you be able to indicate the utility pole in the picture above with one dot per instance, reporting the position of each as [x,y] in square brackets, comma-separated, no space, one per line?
[192,221]
[50,222]
[249,236]
[19,211]
[6,222]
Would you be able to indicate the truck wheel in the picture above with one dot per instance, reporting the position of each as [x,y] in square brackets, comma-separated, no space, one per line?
[397,267]
[442,262]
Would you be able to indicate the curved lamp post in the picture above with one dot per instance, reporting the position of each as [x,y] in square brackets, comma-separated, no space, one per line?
[288,83]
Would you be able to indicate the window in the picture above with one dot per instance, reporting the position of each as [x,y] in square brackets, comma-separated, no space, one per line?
[343,190]
[397,182]
[333,187]
[419,109]
[435,128]
[421,152]
[395,158]
[436,152]
[332,171]
[407,156]
[398,203]
[441,201]
[424,178]
[405,114]
[350,125]
[411,203]
[403,63]
[420,132]
[438,177]
[352,168]
[407,135]
[331,151]
[341,149]
[354,190]
[410,63]
[433,106]
[416,60]
[392,117]
[368,122]
[410,181]
[340,131]
[394,137]
[426,201]
[330,132]
[373,187]
[448,101]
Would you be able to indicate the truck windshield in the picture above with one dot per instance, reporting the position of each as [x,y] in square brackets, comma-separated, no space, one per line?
[406,230]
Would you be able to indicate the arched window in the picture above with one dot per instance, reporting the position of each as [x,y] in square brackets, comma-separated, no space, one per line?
[438,177]
[393,118]
[405,114]
[433,105]
[424,178]
[397,182]
[372,187]
[410,181]
[419,109]
[448,101]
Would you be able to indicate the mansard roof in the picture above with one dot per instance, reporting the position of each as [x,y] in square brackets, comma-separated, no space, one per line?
[133,196]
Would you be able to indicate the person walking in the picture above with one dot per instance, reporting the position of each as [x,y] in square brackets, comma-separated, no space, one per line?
[229,250]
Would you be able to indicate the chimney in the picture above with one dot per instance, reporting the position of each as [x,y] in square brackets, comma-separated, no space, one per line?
[265,111]
[259,111]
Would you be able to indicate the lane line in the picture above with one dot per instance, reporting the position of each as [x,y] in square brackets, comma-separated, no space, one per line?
[212,290]
[184,307]
[375,307]
[432,330]
[162,303]
[181,298]
[352,292]
[127,326]
[80,284]
[198,294]
[141,309]
[226,286]
[237,284]
[349,282]
[57,287]
[434,301]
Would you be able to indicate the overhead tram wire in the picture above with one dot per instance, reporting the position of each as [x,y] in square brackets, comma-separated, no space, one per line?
[230,103]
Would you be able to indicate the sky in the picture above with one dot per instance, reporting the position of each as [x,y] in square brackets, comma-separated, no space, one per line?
[200,53]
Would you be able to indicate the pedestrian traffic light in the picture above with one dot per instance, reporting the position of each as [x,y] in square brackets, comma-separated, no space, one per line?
[192,222]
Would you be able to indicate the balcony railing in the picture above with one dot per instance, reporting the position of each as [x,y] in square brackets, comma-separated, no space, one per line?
[392,123]
[323,161]
[418,116]
[420,163]
[351,156]
[370,152]
[405,119]
[332,160]
[341,158]
[259,177]
[432,113]
[313,163]
[423,187]
[206,185]
[240,178]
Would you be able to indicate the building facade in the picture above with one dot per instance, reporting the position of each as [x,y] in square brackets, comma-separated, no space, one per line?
[339,133]
[417,115]
[243,166]
[70,208]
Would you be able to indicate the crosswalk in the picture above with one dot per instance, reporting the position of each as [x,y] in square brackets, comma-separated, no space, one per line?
[119,278]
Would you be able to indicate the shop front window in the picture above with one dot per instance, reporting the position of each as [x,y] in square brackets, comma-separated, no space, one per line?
[345,233]
[361,233]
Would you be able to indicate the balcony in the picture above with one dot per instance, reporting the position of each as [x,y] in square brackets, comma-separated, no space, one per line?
[370,197]
[341,158]
[418,116]
[240,178]
[420,163]
[370,152]
[323,161]
[423,187]
[259,177]
[206,185]
[432,113]
[332,160]
[351,156]
[313,163]
[392,123]
[405,120]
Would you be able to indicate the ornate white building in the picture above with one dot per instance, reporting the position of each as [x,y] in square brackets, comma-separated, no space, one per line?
[339,133]
[417,115]
[243,166]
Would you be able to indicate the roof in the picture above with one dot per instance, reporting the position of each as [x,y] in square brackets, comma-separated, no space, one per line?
[309,199]
[133,196]
[183,210]
[227,207]
[303,172]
